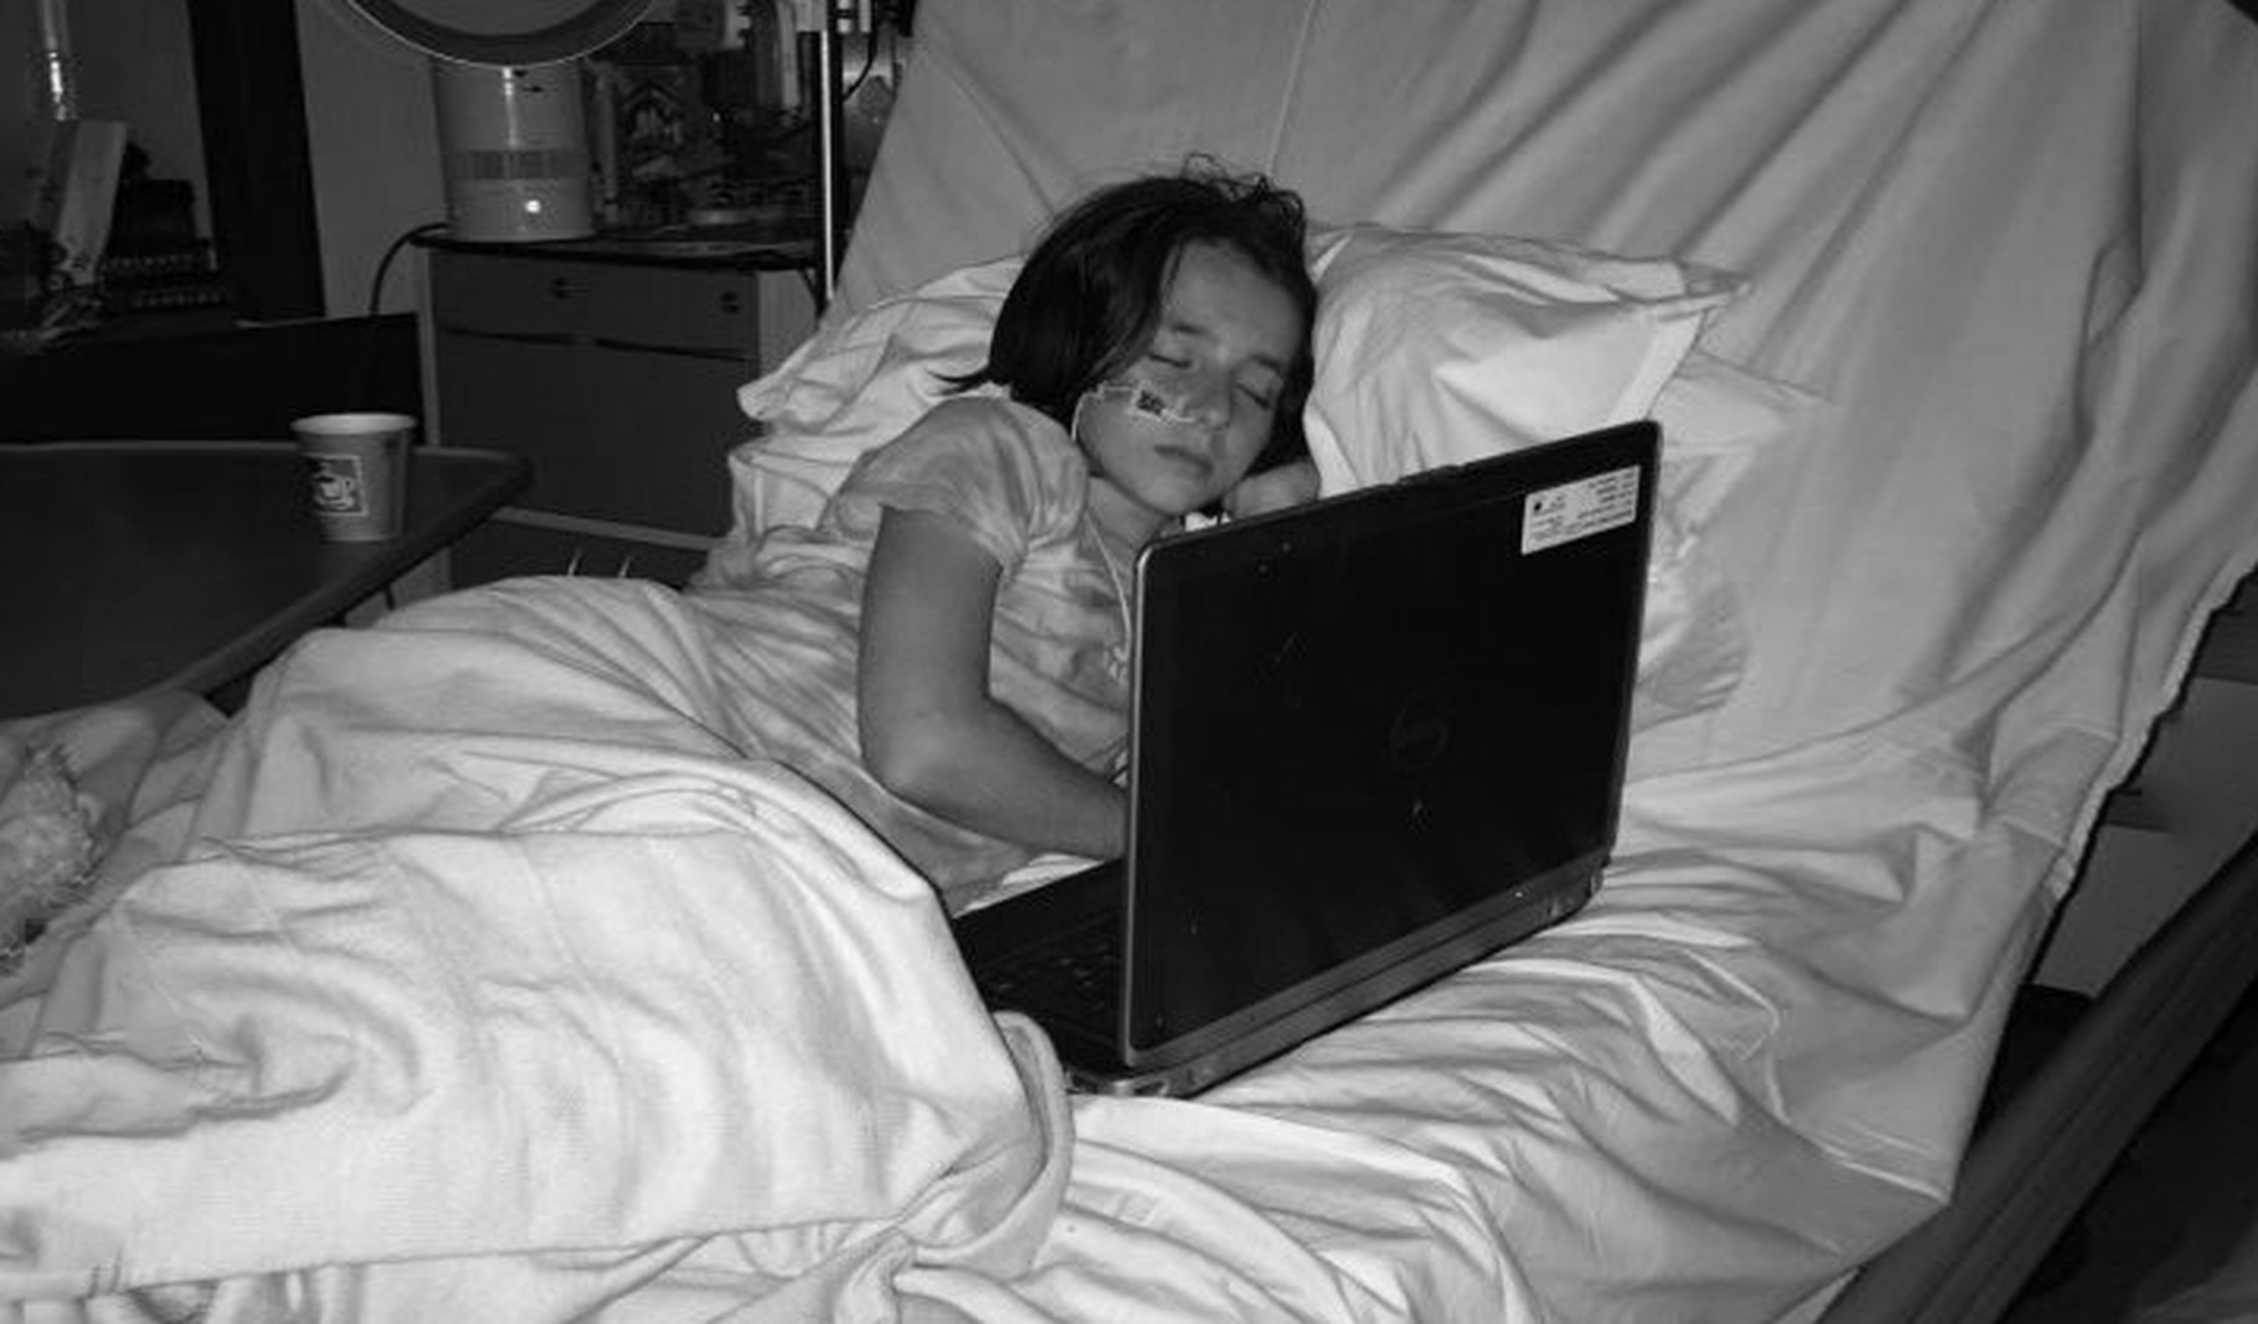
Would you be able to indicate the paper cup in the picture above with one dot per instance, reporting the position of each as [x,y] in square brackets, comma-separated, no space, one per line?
[357,465]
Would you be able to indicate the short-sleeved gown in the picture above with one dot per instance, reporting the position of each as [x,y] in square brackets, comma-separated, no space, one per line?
[786,635]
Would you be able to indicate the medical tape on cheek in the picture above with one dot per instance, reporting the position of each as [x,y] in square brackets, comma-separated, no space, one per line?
[1145,401]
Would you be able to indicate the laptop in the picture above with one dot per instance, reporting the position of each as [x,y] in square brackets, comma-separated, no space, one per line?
[1372,739]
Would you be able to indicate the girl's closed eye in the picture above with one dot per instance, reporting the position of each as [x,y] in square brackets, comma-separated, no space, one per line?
[1262,395]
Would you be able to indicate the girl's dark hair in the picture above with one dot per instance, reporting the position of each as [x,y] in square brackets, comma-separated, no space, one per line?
[1085,304]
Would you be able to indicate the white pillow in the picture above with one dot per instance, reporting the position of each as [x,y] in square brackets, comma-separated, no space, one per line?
[852,386]
[1461,338]
[1718,419]
[1437,348]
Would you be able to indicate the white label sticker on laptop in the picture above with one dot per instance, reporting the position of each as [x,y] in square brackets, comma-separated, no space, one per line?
[1580,509]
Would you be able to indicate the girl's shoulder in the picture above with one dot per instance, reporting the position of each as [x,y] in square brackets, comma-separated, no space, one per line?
[1008,471]
[993,431]
[988,412]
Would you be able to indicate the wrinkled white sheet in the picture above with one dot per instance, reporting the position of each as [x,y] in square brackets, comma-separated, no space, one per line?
[2010,242]
[2012,246]
[481,940]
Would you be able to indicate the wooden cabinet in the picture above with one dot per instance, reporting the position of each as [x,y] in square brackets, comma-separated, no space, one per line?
[617,377]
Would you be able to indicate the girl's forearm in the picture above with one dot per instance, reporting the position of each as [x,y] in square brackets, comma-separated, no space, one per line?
[987,770]
[930,730]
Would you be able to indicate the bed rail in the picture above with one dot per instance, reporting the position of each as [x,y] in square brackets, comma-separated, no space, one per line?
[2032,1169]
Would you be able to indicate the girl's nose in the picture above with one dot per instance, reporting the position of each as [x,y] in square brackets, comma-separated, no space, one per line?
[1207,399]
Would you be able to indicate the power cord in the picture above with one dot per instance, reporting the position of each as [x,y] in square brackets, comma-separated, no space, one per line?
[364,363]
[384,264]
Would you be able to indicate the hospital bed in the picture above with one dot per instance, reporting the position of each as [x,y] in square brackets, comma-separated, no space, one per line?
[471,972]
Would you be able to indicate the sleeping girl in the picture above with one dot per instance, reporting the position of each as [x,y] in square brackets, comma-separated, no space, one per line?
[957,620]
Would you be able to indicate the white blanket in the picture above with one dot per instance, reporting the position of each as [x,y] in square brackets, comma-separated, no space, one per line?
[480,942]
[567,1004]
[487,981]
[563,1000]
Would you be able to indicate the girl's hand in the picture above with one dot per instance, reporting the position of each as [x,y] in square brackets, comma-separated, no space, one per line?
[931,733]
[1288,484]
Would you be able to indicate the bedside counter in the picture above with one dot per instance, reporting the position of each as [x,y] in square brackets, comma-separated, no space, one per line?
[613,364]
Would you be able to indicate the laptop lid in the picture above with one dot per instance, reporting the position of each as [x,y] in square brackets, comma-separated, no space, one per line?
[1373,738]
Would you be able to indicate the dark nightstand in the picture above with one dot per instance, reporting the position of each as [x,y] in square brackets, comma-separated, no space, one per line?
[614,365]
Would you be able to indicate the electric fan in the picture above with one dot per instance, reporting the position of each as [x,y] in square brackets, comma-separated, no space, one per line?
[513,135]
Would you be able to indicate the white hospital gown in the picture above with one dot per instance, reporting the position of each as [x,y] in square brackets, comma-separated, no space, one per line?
[787,633]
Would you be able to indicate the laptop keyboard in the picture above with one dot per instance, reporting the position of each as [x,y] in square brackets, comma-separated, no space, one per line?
[1072,975]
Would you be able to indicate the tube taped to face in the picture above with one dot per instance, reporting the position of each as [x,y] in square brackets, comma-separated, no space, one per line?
[1140,404]
[1141,400]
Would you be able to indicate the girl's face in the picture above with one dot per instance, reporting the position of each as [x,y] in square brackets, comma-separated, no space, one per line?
[1178,428]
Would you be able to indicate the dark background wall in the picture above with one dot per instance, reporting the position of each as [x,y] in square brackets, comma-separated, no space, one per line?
[206,384]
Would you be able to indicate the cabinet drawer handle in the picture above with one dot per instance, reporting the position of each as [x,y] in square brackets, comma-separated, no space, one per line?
[742,358]
[511,337]
[732,302]
[563,287]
